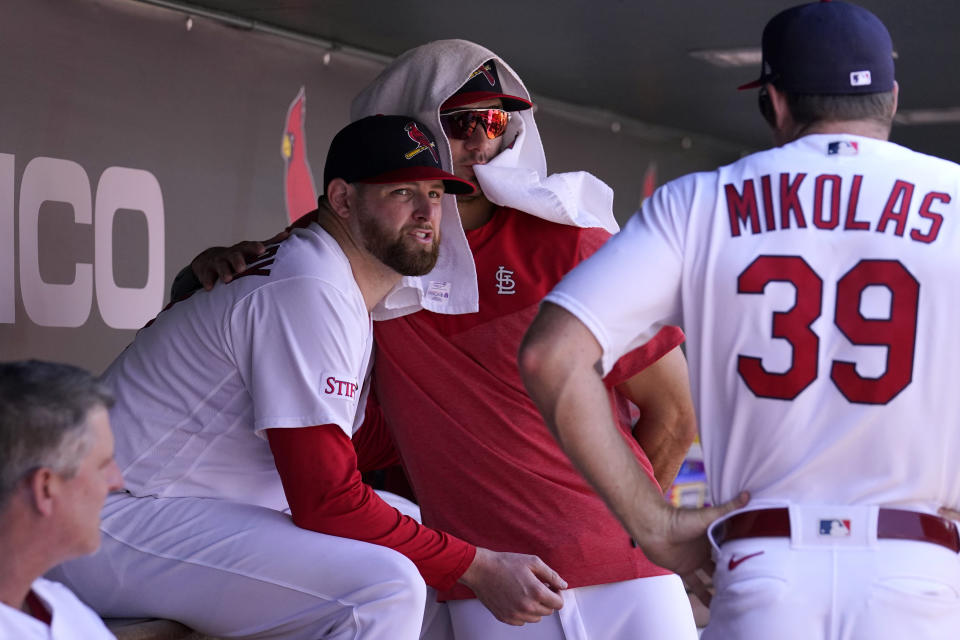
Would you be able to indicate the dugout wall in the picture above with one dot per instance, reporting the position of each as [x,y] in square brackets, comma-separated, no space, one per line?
[131,137]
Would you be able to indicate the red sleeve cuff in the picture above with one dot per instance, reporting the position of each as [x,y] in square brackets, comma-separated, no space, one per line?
[645,355]
[447,582]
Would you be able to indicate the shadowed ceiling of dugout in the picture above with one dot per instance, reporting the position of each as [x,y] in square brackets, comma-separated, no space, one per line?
[633,59]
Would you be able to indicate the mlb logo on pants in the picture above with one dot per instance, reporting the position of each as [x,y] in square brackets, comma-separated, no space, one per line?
[835,527]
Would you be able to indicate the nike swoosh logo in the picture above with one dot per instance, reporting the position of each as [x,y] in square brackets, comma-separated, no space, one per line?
[735,561]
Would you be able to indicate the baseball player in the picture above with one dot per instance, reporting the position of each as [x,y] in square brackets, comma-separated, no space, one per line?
[239,403]
[478,455]
[56,468]
[816,282]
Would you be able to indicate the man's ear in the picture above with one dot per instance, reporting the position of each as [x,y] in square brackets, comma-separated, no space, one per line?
[782,117]
[896,97]
[766,107]
[339,193]
[42,487]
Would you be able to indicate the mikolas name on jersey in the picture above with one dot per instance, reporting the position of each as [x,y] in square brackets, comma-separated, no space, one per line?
[751,206]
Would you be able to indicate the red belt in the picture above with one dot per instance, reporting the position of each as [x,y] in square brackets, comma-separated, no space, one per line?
[891,524]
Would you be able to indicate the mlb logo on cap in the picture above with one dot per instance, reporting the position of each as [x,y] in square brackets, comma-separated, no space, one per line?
[835,528]
[859,78]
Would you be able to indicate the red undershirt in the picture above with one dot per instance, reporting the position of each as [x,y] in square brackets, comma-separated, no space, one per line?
[37,609]
[321,479]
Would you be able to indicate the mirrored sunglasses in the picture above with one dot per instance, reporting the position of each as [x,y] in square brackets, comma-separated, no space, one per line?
[461,123]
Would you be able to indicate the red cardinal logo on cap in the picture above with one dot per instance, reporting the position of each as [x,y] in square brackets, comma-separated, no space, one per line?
[423,143]
[487,73]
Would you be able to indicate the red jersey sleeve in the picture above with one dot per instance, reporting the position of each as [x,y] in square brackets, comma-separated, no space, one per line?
[372,441]
[318,468]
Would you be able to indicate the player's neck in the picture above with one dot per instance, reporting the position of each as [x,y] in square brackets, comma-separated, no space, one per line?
[18,569]
[475,211]
[374,278]
[864,128]
[13,592]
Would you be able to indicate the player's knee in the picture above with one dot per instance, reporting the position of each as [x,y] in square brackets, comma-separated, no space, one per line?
[397,602]
[387,598]
[402,583]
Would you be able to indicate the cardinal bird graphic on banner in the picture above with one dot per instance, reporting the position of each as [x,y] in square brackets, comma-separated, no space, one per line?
[298,187]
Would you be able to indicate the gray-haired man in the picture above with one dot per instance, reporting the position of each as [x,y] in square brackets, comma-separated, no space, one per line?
[56,469]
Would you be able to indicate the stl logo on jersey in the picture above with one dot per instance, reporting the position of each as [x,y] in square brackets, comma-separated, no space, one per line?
[835,528]
[505,283]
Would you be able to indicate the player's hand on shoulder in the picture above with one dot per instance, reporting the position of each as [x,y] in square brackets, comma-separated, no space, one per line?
[223,263]
[517,588]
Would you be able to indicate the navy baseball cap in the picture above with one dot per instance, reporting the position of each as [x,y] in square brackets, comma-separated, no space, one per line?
[826,48]
[484,84]
[383,149]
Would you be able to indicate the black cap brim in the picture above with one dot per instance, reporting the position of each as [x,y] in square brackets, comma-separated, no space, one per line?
[451,183]
[510,103]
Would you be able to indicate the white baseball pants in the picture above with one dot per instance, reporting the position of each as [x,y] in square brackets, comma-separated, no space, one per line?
[642,609]
[889,590]
[242,571]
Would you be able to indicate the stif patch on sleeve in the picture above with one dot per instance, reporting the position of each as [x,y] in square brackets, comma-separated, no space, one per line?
[339,386]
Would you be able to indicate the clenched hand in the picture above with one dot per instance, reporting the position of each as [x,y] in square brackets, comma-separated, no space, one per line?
[517,588]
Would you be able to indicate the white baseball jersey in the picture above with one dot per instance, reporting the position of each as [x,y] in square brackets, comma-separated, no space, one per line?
[817,285]
[287,344]
[70,618]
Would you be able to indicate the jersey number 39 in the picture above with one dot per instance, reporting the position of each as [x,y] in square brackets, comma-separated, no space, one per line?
[897,332]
